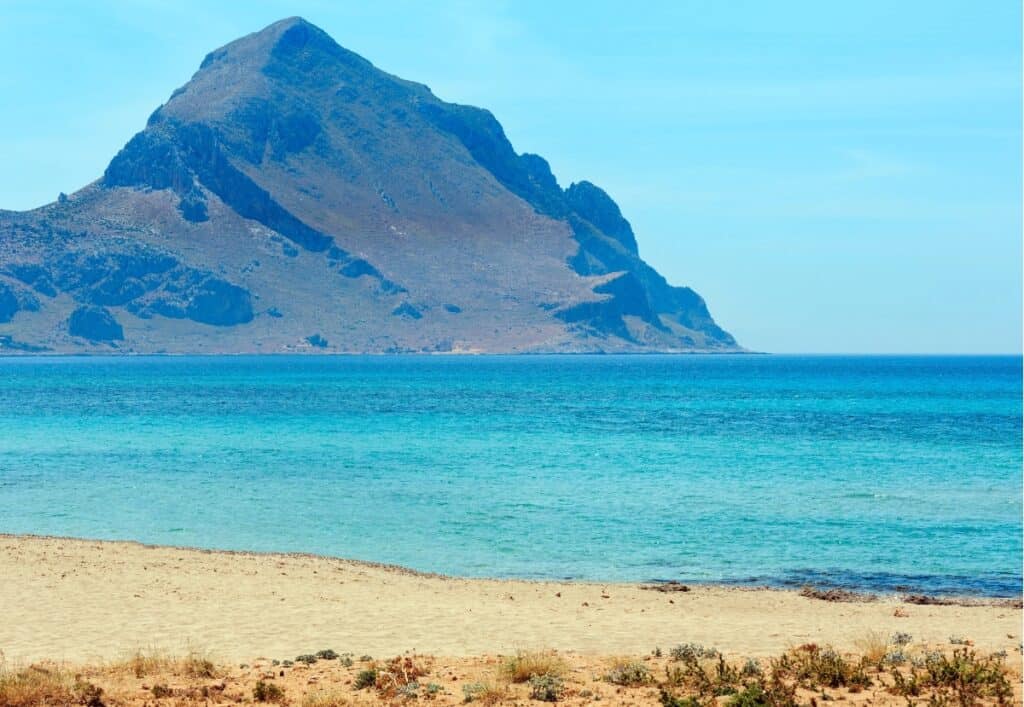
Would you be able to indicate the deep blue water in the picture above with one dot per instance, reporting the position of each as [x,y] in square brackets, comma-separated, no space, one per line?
[867,472]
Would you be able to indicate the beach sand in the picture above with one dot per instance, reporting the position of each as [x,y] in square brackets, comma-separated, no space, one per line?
[86,601]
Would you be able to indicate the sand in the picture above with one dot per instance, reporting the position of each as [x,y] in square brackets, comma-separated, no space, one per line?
[80,601]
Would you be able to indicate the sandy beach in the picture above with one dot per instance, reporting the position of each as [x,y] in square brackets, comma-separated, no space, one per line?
[80,600]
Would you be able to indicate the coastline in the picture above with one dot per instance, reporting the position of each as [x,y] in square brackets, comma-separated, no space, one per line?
[909,595]
[80,600]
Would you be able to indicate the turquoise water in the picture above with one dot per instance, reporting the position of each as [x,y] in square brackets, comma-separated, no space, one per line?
[867,472]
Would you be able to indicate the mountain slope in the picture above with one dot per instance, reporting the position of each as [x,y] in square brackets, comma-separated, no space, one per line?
[292,197]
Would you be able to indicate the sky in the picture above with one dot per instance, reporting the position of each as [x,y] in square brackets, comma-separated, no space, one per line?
[830,177]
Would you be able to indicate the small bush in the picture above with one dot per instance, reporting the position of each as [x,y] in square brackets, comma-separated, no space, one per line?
[692,652]
[365,679]
[814,667]
[901,639]
[397,674]
[524,666]
[267,692]
[752,696]
[36,685]
[873,646]
[752,669]
[141,664]
[325,699]
[197,665]
[629,674]
[967,677]
[486,693]
[896,657]
[472,690]
[546,688]
[89,695]
[307,658]
[159,691]
[409,690]
[326,654]
[668,700]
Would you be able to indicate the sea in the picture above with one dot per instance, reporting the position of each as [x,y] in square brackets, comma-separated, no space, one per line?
[874,473]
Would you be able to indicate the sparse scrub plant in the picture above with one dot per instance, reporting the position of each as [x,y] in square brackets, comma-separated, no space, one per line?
[395,676]
[629,673]
[691,652]
[161,691]
[546,687]
[873,646]
[526,665]
[901,638]
[267,692]
[325,699]
[486,693]
[752,669]
[365,678]
[667,699]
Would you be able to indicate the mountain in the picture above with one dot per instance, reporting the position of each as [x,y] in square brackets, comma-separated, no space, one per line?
[293,197]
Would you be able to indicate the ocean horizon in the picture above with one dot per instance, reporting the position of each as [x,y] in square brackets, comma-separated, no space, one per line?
[868,472]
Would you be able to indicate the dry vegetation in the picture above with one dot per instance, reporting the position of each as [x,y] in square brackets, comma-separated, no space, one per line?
[886,670]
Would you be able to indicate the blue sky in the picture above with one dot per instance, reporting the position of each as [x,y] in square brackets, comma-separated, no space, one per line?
[834,177]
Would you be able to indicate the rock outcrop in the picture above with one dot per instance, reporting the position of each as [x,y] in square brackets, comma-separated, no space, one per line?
[292,187]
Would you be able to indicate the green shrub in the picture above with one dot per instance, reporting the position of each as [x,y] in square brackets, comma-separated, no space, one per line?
[692,652]
[629,674]
[365,679]
[669,700]
[267,692]
[546,688]
[160,691]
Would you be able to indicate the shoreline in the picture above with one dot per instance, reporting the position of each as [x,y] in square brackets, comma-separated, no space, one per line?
[77,600]
[908,595]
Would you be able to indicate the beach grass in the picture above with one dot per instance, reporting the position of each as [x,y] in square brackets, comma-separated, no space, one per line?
[140,663]
[526,665]
[804,675]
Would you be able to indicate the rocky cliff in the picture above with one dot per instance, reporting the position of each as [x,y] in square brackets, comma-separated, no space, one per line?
[293,197]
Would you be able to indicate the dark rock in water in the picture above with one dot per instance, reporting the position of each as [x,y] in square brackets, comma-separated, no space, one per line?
[95,324]
[837,594]
[671,586]
[358,193]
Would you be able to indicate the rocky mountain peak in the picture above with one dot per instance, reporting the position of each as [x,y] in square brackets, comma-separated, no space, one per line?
[292,192]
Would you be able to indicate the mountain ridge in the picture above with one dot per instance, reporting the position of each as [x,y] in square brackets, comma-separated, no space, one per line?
[293,197]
